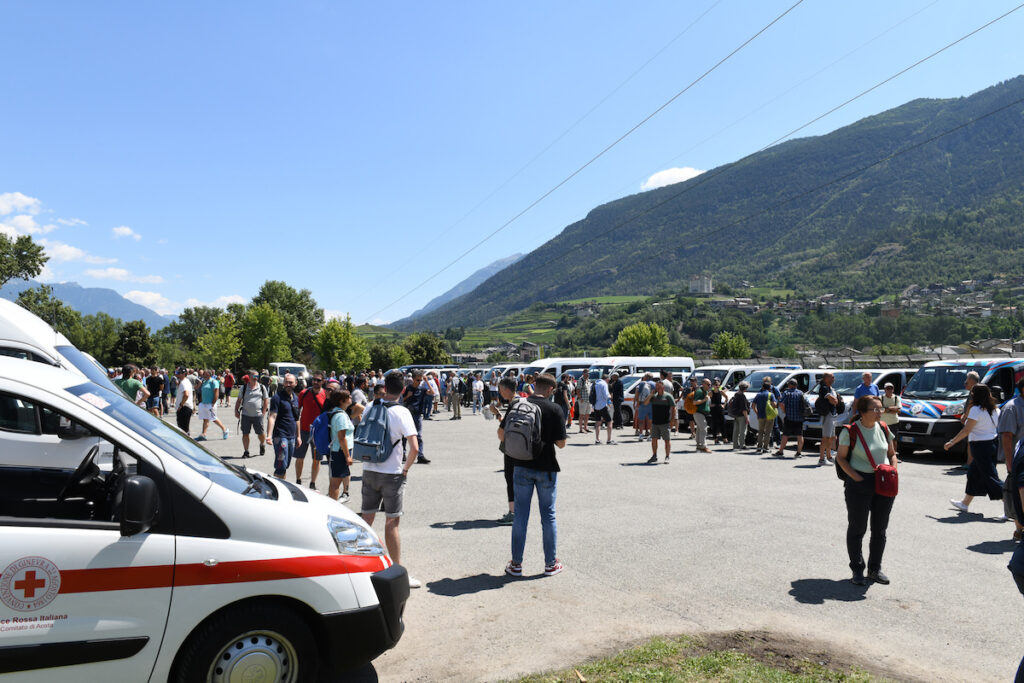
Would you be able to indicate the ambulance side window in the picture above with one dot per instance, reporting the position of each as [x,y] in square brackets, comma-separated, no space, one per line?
[17,415]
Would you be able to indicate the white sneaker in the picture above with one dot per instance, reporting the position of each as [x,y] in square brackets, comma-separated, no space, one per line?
[1002,518]
[414,583]
[958,504]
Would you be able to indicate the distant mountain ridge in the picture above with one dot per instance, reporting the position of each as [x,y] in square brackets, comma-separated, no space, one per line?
[931,191]
[464,287]
[92,300]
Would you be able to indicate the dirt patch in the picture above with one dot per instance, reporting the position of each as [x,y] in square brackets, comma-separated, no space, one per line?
[788,653]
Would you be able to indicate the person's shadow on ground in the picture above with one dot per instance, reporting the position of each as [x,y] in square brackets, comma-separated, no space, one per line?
[817,591]
[475,584]
[994,547]
[467,524]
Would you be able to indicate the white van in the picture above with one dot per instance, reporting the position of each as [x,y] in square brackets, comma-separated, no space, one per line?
[780,375]
[728,375]
[628,365]
[25,335]
[557,366]
[845,384]
[279,370]
[169,564]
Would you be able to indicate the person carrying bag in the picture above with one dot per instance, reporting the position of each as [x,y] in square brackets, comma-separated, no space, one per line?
[870,488]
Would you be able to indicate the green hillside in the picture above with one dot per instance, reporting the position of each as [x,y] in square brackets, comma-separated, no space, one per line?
[950,209]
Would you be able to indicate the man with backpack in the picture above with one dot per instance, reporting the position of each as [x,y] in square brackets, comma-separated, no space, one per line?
[739,408]
[827,405]
[384,469]
[311,404]
[539,472]
[415,397]
[250,409]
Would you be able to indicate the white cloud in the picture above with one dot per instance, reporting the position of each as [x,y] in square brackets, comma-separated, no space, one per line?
[125,231]
[122,275]
[71,221]
[670,176]
[158,302]
[59,251]
[333,314]
[219,302]
[24,224]
[16,201]
[379,321]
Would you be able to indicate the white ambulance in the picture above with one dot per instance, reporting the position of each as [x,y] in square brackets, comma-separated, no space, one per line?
[167,563]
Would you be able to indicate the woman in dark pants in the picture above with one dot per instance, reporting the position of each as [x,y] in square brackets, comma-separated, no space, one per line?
[981,431]
[507,394]
[862,503]
[717,428]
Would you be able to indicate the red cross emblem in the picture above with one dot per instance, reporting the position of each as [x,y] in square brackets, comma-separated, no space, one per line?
[29,584]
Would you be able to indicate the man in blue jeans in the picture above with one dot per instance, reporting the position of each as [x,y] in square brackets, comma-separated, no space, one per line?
[283,427]
[541,474]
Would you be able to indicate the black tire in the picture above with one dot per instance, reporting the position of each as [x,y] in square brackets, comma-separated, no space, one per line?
[627,415]
[267,633]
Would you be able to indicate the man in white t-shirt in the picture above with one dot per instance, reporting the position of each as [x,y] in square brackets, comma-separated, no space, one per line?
[184,400]
[384,483]
[478,394]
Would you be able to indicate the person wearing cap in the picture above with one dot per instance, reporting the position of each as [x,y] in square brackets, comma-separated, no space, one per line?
[184,400]
[761,402]
[251,408]
[891,408]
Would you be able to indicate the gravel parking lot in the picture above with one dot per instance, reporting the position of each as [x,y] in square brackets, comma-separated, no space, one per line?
[712,542]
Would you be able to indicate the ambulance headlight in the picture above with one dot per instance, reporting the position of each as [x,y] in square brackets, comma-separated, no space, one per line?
[955,409]
[353,538]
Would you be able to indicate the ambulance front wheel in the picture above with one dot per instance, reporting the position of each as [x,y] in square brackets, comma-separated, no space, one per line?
[256,642]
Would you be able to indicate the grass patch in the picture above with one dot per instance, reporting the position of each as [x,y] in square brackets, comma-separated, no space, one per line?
[624,299]
[717,657]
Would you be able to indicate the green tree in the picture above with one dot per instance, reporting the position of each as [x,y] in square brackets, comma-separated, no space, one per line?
[20,258]
[386,355]
[339,348]
[135,345]
[191,324]
[264,338]
[299,312]
[219,348]
[728,345]
[40,300]
[100,336]
[426,347]
[641,339]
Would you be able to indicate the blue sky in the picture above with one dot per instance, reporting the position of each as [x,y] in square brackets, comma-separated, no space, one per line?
[183,153]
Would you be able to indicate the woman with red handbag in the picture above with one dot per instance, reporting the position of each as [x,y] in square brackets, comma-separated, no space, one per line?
[870,487]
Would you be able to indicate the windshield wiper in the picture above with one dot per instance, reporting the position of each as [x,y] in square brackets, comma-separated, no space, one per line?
[256,481]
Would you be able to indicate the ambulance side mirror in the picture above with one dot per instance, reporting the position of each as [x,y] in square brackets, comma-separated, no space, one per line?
[140,505]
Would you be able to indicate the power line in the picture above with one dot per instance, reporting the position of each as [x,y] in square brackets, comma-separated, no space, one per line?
[592,159]
[706,177]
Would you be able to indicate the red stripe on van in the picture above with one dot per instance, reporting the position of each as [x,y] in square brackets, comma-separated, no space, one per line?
[163,576]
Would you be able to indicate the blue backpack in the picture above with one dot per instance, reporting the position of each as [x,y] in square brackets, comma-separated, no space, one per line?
[321,431]
[372,437]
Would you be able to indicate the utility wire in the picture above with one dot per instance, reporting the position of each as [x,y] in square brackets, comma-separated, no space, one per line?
[706,177]
[592,159]
[772,207]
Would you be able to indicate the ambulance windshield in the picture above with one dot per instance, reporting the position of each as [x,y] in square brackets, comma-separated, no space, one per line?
[166,438]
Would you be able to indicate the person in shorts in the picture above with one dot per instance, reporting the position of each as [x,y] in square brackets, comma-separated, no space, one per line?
[642,407]
[250,410]
[384,483]
[663,414]
[155,386]
[339,401]
[828,417]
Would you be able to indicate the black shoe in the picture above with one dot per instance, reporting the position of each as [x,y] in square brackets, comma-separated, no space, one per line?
[878,577]
[245,454]
[422,461]
[312,485]
[653,460]
[858,579]
[263,450]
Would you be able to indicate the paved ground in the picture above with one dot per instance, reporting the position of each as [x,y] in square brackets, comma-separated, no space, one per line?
[712,542]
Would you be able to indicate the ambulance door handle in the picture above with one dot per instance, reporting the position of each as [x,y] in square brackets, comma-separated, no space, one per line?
[210,562]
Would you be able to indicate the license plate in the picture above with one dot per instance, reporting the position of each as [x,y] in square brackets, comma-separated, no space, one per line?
[907,439]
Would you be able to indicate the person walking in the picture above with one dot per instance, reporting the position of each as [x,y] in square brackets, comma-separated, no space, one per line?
[415,397]
[229,384]
[250,409]
[739,408]
[981,431]
[583,406]
[312,402]
[792,411]
[155,386]
[383,484]
[826,405]
[540,474]
[702,399]
[209,392]
[184,400]
[663,414]
[618,396]
[342,432]
[1011,438]
[283,425]
[864,444]
[764,404]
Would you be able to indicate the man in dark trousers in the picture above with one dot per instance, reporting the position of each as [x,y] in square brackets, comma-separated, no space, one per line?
[540,474]
[415,397]
[615,386]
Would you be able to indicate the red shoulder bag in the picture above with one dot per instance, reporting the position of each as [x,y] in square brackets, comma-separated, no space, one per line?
[887,480]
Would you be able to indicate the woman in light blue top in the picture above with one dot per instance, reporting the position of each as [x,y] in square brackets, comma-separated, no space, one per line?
[342,432]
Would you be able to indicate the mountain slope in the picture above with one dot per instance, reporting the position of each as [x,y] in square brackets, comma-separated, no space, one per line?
[464,287]
[951,206]
[92,300]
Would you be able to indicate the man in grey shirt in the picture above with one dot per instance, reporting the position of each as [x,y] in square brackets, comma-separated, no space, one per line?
[1011,433]
[251,408]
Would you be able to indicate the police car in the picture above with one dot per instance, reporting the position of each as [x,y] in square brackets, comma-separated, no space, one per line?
[166,562]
